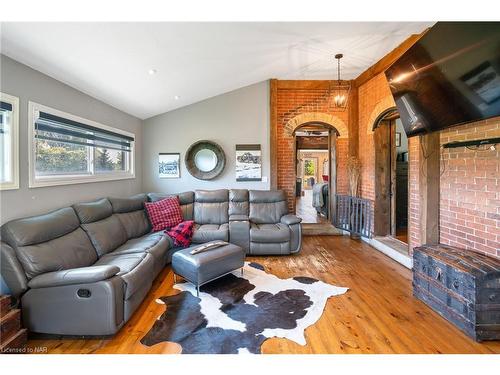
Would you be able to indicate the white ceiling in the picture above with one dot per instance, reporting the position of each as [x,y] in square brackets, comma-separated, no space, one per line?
[195,61]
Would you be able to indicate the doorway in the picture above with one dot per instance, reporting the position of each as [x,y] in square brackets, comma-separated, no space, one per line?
[315,166]
[391,177]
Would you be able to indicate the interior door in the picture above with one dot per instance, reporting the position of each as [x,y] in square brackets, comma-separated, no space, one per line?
[382,223]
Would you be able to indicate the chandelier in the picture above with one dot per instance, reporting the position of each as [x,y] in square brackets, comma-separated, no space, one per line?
[339,90]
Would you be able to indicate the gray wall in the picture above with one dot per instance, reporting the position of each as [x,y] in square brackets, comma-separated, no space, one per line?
[237,117]
[30,85]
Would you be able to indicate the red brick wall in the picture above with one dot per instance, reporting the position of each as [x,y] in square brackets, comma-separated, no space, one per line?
[374,97]
[291,103]
[413,193]
[470,190]
[342,156]
[469,185]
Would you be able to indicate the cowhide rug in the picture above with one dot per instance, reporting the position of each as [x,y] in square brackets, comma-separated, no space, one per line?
[236,314]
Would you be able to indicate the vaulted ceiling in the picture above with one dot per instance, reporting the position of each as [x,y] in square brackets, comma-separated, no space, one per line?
[194,61]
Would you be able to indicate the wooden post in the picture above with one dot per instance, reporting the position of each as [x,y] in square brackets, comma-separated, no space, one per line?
[429,174]
[273,144]
[332,178]
[393,156]
[353,121]
[382,209]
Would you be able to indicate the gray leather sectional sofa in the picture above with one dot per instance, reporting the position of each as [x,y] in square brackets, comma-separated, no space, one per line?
[84,270]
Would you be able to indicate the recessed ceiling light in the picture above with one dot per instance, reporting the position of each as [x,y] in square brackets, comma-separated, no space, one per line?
[177,97]
[152,72]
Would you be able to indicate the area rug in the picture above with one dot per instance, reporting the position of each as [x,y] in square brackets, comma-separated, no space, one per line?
[237,313]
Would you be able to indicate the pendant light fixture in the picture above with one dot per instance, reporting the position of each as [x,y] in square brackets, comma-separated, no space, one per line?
[339,90]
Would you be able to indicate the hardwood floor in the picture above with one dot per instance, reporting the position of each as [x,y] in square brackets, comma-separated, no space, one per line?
[377,315]
[402,234]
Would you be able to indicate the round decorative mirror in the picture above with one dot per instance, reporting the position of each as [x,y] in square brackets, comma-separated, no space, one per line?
[205,160]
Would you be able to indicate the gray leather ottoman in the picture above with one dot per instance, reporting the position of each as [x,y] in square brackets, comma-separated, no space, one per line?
[209,265]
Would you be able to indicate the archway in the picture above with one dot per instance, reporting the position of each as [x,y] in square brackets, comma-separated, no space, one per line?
[316,117]
[383,105]
[315,167]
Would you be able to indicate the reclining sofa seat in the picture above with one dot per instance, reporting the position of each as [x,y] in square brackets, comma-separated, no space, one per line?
[207,208]
[83,270]
[62,291]
[84,279]
[272,229]
[211,216]
[256,220]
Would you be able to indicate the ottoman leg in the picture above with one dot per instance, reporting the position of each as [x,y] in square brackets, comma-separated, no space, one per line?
[241,271]
[197,290]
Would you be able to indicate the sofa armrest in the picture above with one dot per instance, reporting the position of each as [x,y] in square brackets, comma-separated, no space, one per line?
[290,219]
[12,271]
[84,275]
[238,218]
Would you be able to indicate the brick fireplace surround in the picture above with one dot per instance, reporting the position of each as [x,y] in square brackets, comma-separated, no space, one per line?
[469,180]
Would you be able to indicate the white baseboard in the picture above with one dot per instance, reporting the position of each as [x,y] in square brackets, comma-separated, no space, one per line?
[405,260]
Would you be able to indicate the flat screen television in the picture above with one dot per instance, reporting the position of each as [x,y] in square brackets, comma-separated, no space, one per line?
[451,76]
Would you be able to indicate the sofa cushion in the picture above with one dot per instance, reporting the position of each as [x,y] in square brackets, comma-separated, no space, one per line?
[211,206]
[41,228]
[164,214]
[238,202]
[73,250]
[136,270]
[134,203]
[269,233]
[267,207]
[156,243]
[136,223]
[89,212]
[106,235]
[210,232]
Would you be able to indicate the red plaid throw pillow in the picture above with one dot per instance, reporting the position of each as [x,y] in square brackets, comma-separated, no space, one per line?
[182,233]
[165,213]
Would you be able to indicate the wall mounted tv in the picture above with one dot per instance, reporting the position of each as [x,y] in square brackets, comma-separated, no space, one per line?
[451,76]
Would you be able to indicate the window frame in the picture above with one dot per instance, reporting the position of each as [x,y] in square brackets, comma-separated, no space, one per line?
[14,101]
[70,179]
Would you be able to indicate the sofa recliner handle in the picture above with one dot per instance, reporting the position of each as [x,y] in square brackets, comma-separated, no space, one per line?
[84,275]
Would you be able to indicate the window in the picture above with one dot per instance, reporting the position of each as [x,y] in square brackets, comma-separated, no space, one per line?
[67,149]
[9,142]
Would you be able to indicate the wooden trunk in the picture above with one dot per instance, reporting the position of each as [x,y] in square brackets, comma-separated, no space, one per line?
[462,286]
[13,338]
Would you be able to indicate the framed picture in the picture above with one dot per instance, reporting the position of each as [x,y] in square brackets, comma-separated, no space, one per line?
[248,163]
[398,139]
[169,165]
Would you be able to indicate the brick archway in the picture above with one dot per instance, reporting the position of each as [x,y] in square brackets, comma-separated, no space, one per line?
[383,105]
[320,117]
